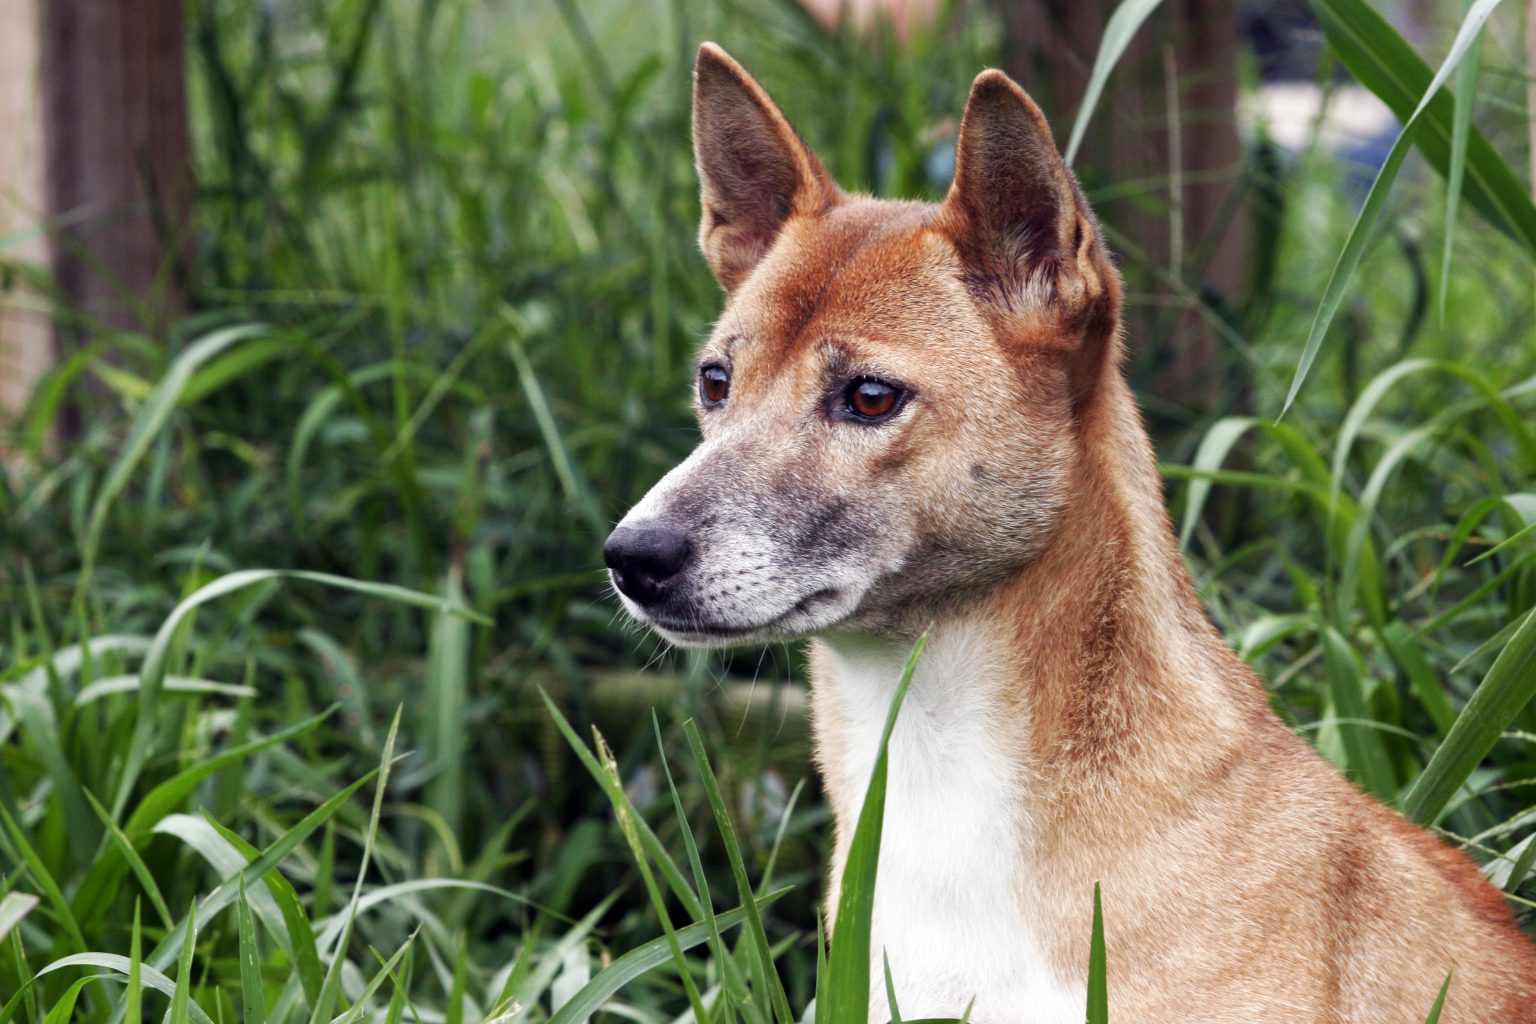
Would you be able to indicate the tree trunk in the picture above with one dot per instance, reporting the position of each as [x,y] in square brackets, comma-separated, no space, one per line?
[108,164]
[1164,137]
[118,167]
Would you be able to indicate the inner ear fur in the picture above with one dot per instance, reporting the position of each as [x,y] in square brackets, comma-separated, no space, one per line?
[1025,234]
[754,172]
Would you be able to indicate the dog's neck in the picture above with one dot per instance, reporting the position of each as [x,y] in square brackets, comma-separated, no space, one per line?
[1092,673]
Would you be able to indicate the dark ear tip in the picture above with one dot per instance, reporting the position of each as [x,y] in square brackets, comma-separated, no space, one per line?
[993,86]
[992,80]
[995,91]
[711,58]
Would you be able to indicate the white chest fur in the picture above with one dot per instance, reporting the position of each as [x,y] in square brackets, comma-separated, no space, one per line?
[950,909]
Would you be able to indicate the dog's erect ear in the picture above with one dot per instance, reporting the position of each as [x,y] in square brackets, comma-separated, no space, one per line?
[1014,210]
[754,172]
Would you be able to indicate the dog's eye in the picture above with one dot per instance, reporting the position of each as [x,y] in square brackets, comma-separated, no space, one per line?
[871,399]
[714,385]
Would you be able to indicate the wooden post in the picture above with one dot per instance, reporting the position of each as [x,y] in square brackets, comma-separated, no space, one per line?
[108,96]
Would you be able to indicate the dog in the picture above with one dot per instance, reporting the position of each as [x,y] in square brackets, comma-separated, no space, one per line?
[914,418]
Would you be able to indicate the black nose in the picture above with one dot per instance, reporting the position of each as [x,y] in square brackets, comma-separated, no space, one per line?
[643,558]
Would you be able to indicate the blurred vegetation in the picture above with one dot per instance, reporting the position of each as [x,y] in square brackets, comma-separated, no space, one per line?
[446,299]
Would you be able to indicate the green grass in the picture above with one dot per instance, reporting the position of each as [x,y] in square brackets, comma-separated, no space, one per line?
[274,623]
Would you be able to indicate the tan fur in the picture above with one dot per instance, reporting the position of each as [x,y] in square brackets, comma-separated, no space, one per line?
[1243,878]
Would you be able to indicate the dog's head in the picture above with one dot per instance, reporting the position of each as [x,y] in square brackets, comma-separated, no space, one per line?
[889,402]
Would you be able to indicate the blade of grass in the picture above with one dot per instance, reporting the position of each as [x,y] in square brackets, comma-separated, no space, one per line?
[1118,33]
[1434,1011]
[1473,597]
[1367,758]
[64,662]
[34,711]
[1358,564]
[846,993]
[577,490]
[616,795]
[328,928]
[765,975]
[181,999]
[1518,535]
[1467,525]
[658,901]
[100,883]
[44,879]
[1214,446]
[253,998]
[157,662]
[14,907]
[108,686]
[735,986]
[447,690]
[330,988]
[227,857]
[1493,643]
[537,977]
[296,937]
[1505,690]
[26,995]
[458,990]
[1098,974]
[1522,865]
[1383,61]
[1461,130]
[359,1010]
[64,1010]
[821,960]
[1375,200]
[1400,644]
[140,870]
[646,958]
[133,999]
[1387,381]
[399,997]
[778,836]
[165,797]
[146,427]
[1218,442]
[224,894]
[149,976]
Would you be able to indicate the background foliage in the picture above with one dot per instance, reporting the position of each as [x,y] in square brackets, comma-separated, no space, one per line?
[447,296]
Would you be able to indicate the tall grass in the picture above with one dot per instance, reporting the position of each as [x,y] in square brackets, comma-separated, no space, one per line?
[274,622]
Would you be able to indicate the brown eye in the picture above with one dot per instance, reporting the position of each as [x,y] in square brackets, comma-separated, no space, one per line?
[872,399]
[714,385]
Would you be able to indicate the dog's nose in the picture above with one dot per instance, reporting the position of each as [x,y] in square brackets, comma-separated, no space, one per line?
[643,558]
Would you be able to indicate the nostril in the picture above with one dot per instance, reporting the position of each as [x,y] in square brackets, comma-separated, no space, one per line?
[643,558]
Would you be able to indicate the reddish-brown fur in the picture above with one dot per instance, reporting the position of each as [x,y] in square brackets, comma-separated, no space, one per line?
[1244,879]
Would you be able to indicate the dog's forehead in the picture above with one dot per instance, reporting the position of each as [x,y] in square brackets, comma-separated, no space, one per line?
[869,268]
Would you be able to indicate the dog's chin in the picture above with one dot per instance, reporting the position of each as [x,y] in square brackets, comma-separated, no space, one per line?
[820,610]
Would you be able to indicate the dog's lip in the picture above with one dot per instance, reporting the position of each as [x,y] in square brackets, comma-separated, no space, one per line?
[713,631]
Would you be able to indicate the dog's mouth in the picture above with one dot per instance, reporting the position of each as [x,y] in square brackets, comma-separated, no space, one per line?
[799,619]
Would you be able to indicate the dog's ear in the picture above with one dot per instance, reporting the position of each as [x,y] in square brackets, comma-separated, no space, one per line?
[754,172]
[1014,208]
[1026,237]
